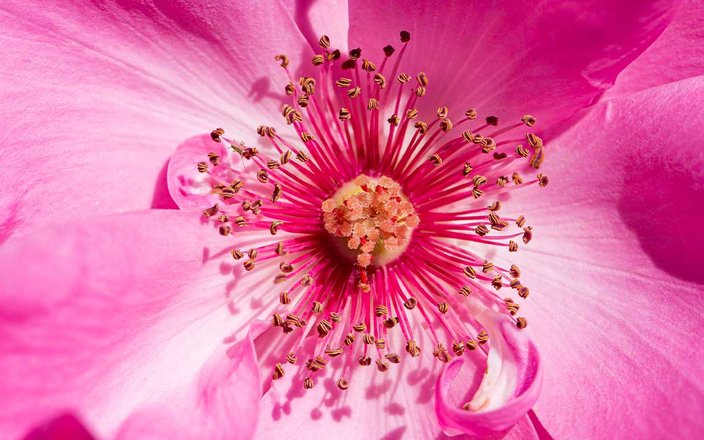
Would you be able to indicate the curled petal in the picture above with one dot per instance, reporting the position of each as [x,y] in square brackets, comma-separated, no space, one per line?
[509,389]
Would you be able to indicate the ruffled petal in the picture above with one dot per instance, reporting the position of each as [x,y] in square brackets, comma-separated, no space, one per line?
[509,387]
[676,54]
[544,58]
[615,269]
[97,95]
[107,315]
[188,187]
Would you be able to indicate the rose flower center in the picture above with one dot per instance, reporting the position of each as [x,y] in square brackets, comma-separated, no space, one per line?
[373,218]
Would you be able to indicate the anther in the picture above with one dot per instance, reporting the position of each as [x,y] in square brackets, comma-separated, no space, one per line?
[354,92]
[512,246]
[210,212]
[443,307]
[248,265]
[487,266]
[446,125]
[284,60]
[421,126]
[335,317]
[470,272]
[521,322]
[458,348]
[274,227]
[471,345]
[435,159]
[236,254]
[492,120]
[323,328]
[284,298]
[262,176]
[344,114]
[364,361]
[465,291]
[359,328]
[542,179]
[441,353]
[317,60]
[308,383]
[412,113]
[380,344]
[202,167]
[355,53]
[412,348]
[252,253]
[515,271]
[225,230]
[467,169]
[277,320]
[393,358]
[523,292]
[405,36]
[521,150]
[373,104]
[276,194]
[403,78]
[334,352]
[481,230]
[476,192]
[368,339]
[390,322]
[216,134]
[342,383]
[349,339]
[324,42]
[394,120]
[442,112]
[422,79]
[368,66]
[380,80]
[286,267]
[382,366]
[471,114]
[495,206]
[410,303]
[291,358]
[302,156]
[483,337]
[389,50]
[382,311]
[527,234]
[497,282]
[529,120]
[343,82]
[278,372]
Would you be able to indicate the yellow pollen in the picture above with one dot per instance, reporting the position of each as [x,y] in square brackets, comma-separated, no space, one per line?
[374,218]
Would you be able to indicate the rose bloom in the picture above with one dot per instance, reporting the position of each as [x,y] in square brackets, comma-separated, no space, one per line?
[417,220]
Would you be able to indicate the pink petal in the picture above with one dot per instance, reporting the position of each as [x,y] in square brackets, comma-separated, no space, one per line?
[96,96]
[616,270]
[224,404]
[544,58]
[676,54]
[110,315]
[508,389]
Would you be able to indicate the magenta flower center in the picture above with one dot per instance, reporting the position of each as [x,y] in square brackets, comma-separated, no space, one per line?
[360,222]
